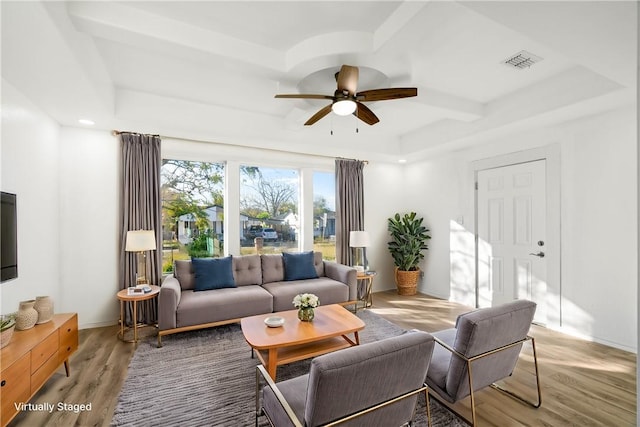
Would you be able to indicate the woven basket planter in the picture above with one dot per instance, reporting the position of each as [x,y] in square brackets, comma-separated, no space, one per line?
[5,336]
[407,281]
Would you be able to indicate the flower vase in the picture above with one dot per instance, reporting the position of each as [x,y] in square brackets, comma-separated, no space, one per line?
[306,314]
[27,316]
[44,307]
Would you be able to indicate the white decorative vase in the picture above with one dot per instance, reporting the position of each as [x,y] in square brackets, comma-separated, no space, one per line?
[27,316]
[44,307]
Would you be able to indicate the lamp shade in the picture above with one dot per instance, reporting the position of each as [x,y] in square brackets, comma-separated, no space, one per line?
[359,239]
[140,240]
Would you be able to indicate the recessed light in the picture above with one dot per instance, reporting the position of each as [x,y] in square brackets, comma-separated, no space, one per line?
[402,161]
[86,122]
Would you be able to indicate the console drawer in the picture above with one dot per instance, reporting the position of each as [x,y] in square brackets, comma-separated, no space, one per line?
[68,338]
[43,351]
[39,377]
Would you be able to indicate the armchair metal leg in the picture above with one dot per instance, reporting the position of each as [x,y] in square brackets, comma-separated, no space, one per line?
[518,397]
[426,397]
[473,400]
[258,407]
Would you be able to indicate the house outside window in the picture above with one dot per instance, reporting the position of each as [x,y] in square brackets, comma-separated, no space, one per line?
[192,210]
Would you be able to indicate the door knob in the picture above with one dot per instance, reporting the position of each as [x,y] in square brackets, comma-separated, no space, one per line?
[539,254]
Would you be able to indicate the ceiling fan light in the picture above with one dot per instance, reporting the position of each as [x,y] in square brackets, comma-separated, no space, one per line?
[344,107]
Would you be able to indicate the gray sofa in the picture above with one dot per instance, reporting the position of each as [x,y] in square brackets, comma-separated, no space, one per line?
[260,288]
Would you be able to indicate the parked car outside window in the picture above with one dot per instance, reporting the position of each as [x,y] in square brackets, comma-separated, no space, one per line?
[269,234]
[254,231]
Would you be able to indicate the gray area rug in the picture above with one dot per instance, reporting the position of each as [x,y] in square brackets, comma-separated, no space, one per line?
[207,378]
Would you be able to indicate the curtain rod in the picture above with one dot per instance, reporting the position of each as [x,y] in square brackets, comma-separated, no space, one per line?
[118,132]
[366,162]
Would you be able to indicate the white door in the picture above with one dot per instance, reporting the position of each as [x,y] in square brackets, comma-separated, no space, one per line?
[511,216]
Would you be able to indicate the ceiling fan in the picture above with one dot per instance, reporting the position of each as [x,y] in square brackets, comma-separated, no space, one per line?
[346,100]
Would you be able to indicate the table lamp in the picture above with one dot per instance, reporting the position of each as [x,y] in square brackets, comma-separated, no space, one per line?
[141,241]
[359,241]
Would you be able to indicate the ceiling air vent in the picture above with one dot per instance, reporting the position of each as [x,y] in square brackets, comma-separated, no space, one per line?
[522,59]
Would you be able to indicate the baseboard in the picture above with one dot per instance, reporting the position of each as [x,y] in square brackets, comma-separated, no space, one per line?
[585,337]
[98,324]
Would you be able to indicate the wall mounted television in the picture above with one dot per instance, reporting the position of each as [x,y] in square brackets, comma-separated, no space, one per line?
[8,237]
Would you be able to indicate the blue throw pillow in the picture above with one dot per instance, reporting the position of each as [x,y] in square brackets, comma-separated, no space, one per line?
[213,273]
[299,266]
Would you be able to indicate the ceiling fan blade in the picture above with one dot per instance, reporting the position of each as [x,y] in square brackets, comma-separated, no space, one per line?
[348,79]
[365,114]
[384,94]
[317,116]
[305,96]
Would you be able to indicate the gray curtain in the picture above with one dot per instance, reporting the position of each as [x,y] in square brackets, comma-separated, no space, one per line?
[141,210]
[349,205]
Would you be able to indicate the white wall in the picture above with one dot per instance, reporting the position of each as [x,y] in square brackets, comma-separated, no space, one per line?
[384,195]
[89,225]
[599,228]
[598,222]
[30,169]
[435,187]
[66,181]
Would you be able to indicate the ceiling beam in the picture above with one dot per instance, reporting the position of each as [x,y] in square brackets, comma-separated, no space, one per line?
[121,23]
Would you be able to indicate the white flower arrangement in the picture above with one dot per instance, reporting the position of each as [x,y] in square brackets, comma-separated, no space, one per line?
[306,301]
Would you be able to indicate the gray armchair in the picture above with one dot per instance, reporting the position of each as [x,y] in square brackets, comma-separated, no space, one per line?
[372,384]
[483,348]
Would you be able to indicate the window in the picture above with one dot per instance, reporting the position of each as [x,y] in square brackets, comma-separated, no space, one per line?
[269,210]
[324,214]
[192,210]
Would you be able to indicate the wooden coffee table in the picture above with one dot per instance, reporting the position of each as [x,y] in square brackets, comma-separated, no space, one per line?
[297,340]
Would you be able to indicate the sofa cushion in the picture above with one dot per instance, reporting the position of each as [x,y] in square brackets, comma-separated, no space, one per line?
[197,308]
[329,291]
[439,366]
[247,270]
[213,273]
[272,268]
[299,266]
[318,262]
[183,271]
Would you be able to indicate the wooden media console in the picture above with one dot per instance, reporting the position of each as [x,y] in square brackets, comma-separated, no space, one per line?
[32,357]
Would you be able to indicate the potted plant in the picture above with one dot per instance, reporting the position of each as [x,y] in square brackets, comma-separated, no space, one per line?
[7,326]
[408,243]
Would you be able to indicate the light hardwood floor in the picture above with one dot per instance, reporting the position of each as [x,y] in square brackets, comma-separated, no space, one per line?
[583,383]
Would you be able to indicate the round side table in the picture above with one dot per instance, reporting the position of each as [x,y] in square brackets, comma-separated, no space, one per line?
[123,296]
[364,294]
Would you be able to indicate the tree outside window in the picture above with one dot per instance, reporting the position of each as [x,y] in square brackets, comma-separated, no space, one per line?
[324,214]
[192,210]
[269,210]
